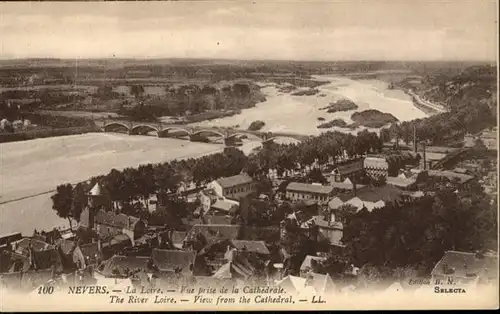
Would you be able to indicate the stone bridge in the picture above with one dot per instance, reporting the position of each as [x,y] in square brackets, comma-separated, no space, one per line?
[193,133]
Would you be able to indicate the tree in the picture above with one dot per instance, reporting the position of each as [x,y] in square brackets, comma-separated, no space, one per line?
[62,201]
[137,90]
[79,201]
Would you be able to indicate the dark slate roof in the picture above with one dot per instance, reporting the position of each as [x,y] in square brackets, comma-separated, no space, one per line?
[306,264]
[466,265]
[236,180]
[213,233]
[350,168]
[116,220]
[239,267]
[123,264]
[309,188]
[321,222]
[251,246]
[170,260]
[384,193]
[47,259]
[37,245]
[90,250]
[11,261]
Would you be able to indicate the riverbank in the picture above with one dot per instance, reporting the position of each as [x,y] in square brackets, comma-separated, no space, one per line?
[31,170]
[44,133]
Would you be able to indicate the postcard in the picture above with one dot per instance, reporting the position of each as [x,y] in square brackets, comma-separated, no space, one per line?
[248,155]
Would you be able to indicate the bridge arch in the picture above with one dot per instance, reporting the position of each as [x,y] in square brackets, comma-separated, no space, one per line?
[113,126]
[164,132]
[232,136]
[200,132]
[137,129]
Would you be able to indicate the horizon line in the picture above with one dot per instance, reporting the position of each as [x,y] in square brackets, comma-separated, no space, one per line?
[244,59]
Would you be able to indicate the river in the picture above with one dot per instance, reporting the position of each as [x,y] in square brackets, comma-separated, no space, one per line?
[37,166]
[283,112]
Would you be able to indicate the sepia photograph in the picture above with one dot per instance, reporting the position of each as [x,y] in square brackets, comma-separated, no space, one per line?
[248,155]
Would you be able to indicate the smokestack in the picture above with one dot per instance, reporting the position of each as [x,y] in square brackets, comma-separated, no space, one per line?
[415,138]
[354,186]
[425,159]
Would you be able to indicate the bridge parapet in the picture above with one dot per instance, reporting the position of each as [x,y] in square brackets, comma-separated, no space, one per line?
[163,129]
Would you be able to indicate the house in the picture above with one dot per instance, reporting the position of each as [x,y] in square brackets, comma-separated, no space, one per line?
[11,262]
[376,167]
[170,261]
[223,207]
[115,245]
[487,136]
[304,191]
[233,187]
[237,267]
[9,238]
[310,264]
[352,170]
[402,183]
[322,285]
[466,267]
[330,231]
[207,198]
[111,224]
[292,284]
[369,198]
[452,176]
[203,235]
[22,246]
[178,239]
[254,247]
[122,266]
[87,254]
[338,201]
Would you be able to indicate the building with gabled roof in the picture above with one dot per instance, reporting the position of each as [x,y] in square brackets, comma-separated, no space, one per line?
[307,265]
[304,191]
[122,266]
[353,169]
[376,167]
[173,261]
[465,267]
[257,247]
[108,223]
[234,187]
[212,233]
[322,284]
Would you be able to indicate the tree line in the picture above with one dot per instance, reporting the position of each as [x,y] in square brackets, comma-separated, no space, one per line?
[128,190]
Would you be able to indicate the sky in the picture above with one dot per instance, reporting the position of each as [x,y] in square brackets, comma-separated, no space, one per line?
[262,30]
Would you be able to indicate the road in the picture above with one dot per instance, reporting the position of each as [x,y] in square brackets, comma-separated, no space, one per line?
[426,103]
